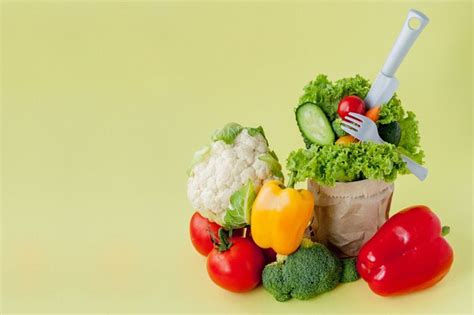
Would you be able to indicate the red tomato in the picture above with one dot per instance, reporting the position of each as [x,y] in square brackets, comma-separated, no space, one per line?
[239,268]
[349,104]
[199,228]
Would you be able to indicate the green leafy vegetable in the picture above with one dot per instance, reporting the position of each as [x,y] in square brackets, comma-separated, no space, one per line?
[273,164]
[238,215]
[356,85]
[410,138]
[356,161]
[321,92]
[199,156]
[392,111]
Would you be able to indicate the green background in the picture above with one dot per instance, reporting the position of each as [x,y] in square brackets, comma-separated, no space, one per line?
[103,105]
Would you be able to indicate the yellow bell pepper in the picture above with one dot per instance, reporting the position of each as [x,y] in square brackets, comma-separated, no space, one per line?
[280,216]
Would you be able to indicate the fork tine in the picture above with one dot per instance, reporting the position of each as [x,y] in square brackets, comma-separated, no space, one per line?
[352,120]
[350,131]
[358,116]
[350,125]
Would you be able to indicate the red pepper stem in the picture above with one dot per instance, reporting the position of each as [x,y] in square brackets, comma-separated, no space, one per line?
[445,230]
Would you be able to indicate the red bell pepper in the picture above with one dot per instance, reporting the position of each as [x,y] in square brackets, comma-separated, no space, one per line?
[408,253]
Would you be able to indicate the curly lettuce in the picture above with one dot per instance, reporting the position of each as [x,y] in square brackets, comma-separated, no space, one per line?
[345,163]
[410,138]
[392,111]
[321,92]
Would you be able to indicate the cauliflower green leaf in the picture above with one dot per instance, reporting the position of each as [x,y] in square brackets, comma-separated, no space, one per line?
[232,130]
[273,164]
[228,133]
[238,214]
[199,156]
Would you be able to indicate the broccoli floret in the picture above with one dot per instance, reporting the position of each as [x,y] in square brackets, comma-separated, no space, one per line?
[349,270]
[274,283]
[309,271]
[336,126]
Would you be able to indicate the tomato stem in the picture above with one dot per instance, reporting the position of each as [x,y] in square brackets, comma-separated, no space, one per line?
[224,240]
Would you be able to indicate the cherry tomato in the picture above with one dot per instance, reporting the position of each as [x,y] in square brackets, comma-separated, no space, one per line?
[239,268]
[199,229]
[349,104]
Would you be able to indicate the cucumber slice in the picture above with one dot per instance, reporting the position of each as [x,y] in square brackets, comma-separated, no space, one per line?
[314,125]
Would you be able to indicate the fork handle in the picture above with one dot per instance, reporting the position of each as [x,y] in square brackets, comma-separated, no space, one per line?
[415,168]
[405,40]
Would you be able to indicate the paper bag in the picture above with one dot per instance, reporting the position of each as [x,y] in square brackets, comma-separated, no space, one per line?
[348,214]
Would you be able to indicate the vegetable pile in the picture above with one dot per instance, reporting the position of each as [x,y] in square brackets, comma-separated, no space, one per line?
[255,230]
[333,156]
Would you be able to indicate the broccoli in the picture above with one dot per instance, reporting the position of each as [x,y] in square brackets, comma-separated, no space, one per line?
[309,271]
[349,271]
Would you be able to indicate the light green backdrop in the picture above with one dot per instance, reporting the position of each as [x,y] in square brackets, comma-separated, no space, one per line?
[104,104]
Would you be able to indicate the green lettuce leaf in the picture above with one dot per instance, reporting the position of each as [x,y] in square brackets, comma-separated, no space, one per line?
[410,138]
[356,85]
[273,164]
[344,163]
[392,111]
[238,214]
[321,92]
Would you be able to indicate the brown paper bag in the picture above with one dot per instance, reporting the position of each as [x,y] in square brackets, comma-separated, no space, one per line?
[348,214]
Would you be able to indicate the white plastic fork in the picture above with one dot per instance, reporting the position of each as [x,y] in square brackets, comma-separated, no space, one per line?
[365,130]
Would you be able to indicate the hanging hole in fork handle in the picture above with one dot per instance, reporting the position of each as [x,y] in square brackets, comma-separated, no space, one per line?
[414,23]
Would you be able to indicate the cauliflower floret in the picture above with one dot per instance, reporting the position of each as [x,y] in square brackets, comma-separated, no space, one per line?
[224,170]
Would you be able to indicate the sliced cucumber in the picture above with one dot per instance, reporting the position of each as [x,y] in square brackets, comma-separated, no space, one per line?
[314,125]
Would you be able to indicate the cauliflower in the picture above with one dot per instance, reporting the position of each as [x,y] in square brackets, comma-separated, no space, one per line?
[225,176]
